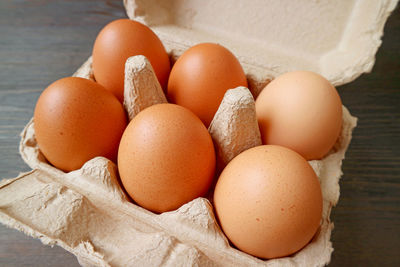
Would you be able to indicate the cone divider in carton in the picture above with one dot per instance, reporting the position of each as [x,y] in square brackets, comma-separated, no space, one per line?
[141,86]
[234,127]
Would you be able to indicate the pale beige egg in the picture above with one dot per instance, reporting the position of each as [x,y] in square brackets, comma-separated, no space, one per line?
[300,110]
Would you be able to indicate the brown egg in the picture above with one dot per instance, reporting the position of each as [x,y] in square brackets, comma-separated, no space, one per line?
[118,41]
[75,120]
[300,110]
[268,201]
[201,76]
[166,158]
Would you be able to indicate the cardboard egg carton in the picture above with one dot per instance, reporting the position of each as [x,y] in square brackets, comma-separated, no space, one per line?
[87,213]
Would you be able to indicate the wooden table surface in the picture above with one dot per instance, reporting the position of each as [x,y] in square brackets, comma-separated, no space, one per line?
[42,41]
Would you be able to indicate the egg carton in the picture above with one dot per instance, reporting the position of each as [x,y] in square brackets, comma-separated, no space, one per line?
[87,212]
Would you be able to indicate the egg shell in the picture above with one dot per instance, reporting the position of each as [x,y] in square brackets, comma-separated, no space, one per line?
[201,76]
[300,110]
[119,40]
[166,158]
[268,201]
[76,120]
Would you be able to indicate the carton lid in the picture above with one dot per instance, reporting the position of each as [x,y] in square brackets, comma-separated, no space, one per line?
[337,39]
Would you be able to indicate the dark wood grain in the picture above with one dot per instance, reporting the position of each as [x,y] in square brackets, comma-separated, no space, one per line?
[367,218]
[42,41]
